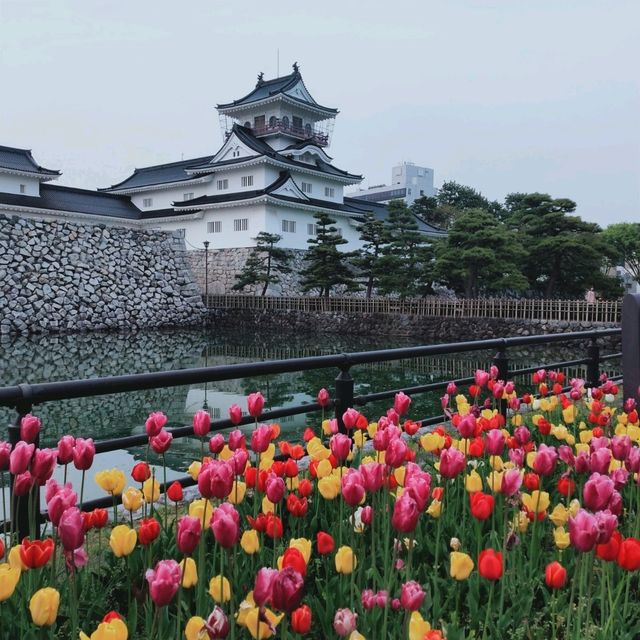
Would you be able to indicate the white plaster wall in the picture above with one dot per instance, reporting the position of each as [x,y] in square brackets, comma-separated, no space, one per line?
[164,198]
[11,184]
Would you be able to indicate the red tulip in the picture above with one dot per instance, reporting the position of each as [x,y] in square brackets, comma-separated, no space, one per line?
[239,461]
[292,557]
[490,564]
[301,619]
[323,397]
[287,589]
[71,529]
[43,463]
[531,481]
[29,428]
[161,442]
[164,581]
[291,468]
[20,457]
[566,486]
[273,526]
[188,534]
[175,492]
[609,550]
[201,423]
[555,575]
[217,624]
[148,530]
[255,404]
[411,596]
[83,452]
[225,523]
[215,479]
[629,554]
[305,488]
[297,507]
[37,553]
[405,514]
[325,543]
[141,472]
[65,449]
[99,518]
[481,505]
[154,423]
[350,418]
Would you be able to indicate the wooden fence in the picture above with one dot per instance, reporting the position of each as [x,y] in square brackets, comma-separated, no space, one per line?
[601,311]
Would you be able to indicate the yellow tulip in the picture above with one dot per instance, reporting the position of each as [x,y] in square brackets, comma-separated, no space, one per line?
[329,487]
[461,565]
[220,589]
[190,572]
[430,442]
[497,463]
[536,501]
[267,505]
[561,538]
[372,429]
[359,438]
[292,483]
[238,492]
[494,481]
[316,450]
[569,414]
[346,560]
[398,474]
[122,540]
[151,489]
[195,624]
[586,436]
[356,635]
[324,469]
[303,545]
[473,482]
[132,499]
[226,453]
[574,507]
[202,509]
[15,560]
[194,469]
[516,420]
[264,629]
[250,542]
[435,509]
[245,606]
[43,606]
[111,480]
[115,629]
[559,515]
[522,522]
[326,427]
[418,626]
[9,577]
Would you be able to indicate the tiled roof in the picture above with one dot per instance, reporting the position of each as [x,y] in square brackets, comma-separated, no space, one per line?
[22,160]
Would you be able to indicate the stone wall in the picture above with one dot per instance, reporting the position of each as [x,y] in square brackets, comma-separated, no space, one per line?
[58,276]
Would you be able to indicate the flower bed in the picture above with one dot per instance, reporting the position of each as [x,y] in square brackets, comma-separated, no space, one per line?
[518,527]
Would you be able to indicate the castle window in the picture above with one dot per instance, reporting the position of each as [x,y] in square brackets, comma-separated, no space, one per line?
[312,229]
[285,122]
[329,192]
[247,181]
[339,231]
[241,224]
[23,188]
[188,196]
[307,130]
[307,187]
[297,123]
[147,202]
[289,226]
[215,226]
[223,184]
[272,122]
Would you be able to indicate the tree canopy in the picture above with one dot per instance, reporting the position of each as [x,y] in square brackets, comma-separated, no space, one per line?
[624,241]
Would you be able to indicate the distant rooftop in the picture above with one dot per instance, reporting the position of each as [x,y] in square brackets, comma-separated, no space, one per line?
[21,160]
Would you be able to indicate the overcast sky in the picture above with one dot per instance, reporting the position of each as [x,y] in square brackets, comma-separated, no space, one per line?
[503,96]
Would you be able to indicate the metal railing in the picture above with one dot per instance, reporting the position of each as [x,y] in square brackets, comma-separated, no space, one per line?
[601,311]
[24,397]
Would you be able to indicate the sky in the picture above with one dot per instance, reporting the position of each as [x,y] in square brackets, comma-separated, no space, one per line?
[504,95]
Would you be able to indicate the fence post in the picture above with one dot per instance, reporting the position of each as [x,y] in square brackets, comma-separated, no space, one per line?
[344,394]
[593,366]
[631,345]
[20,516]
[501,361]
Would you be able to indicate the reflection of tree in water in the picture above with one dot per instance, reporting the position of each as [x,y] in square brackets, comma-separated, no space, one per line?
[277,390]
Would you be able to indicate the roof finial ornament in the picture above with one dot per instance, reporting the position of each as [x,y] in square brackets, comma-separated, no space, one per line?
[260,78]
[296,68]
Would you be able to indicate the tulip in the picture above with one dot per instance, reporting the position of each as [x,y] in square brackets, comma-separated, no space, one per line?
[599,461]
[372,476]
[63,498]
[216,443]
[537,502]
[345,560]
[220,589]
[215,479]
[188,534]
[607,523]
[261,438]
[20,457]
[561,538]
[9,577]
[36,554]
[494,442]
[237,440]
[71,529]
[629,554]
[216,625]
[235,414]
[340,445]
[43,606]
[275,488]
[226,525]
[324,542]
[301,619]
[481,505]
[555,575]
[194,627]
[5,455]
[83,453]
[141,472]
[175,492]
[405,513]
[401,403]
[323,398]
[250,542]
[201,423]
[122,540]
[461,565]
[255,404]
[411,595]
[344,622]
[161,442]
[490,564]
[29,428]
[353,487]
[263,586]
[112,481]
[154,423]
[473,482]
[597,492]
[65,449]
[286,589]
[452,462]
[163,581]
[132,499]
[350,418]
[609,550]
[583,530]
[99,518]
[148,531]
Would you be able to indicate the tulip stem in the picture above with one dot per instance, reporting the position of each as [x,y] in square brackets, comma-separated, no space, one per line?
[4,511]
[573,591]
[82,489]
[626,596]
[164,479]
[179,603]
[486,617]
[154,624]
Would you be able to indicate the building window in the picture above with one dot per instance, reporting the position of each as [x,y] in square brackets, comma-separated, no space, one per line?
[188,196]
[147,202]
[241,224]
[312,229]
[247,181]
[330,192]
[306,187]
[223,184]
[289,226]
[339,231]
[181,233]
[23,188]
[215,226]
[285,122]
[272,122]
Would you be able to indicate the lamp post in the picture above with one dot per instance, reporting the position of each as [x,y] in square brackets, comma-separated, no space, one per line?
[206,272]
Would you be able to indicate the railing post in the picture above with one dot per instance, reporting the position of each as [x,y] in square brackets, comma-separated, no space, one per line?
[343,395]
[501,361]
[631,345]
[593,366]
[19,511]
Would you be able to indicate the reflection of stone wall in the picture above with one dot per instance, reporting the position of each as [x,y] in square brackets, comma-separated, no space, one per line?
[57,276]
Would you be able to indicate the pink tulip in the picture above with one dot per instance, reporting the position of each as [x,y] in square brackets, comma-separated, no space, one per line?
[444,401]
[372,476]
[215,479]
[160,443]
[583,530]
[411,596]
[235,414]
[522,435]
[51,487]
[42,465]
[71,529]
[29,428]
[275,488]
[494,441]
[237,440]
[263,585]
[83,453]
[62,500]
[323,398]
[600,460]
[239,461]
[261,438]
[493,372]
[545,461]
[340,445]
[452,462]
[22,483]
[225,523]
[349,418]
[333,426]
[382,598]
[607,523]
[366,515]
[217,624]
[582,464]
[5,455]
[201,423]
[620,477]
[615,504]
[353,487]
[451,389]
[509,387]
[65,449]
[511,482]
[632,463]
[78,558]
[517,456]
[164,581]
[344,622]
[620,447]
[20,457]
[498,390]
[287,589]
[368,599]
[393,416]
[154,423]
[188,534]
[405,514]
[396,454]
[597,492]
[419,488]
[481,377]
[467,426]
[566,455]
[216,443]
[255,404]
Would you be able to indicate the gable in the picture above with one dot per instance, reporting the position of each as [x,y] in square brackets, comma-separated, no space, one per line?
[299,91]
[289,189]
[232,149]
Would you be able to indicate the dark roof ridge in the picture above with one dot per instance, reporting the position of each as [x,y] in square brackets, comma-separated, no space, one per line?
[102,194]
[171,164]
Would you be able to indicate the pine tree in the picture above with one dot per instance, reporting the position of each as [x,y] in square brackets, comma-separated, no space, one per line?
[265,264]
[326,266]
[368,260]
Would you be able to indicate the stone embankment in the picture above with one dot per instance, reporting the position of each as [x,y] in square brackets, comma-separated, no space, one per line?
[58,276]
